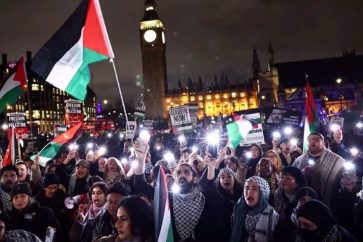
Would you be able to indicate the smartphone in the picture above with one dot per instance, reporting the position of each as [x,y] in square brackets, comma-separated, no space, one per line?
[212,150]
[50,234]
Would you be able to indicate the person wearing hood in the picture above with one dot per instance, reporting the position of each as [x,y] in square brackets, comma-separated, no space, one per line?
[253,218]
[317,224]
[78,181]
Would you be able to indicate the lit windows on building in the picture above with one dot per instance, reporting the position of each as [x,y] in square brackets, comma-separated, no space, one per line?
[242,94]
[192,98]
[209,97]
[217,96]
[200,98]
[35,87]
[233,94]
[225,95]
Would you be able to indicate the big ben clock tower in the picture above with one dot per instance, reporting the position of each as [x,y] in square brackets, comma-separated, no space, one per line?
[152,40]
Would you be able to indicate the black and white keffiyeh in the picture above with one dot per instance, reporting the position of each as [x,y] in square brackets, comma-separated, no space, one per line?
[187,211]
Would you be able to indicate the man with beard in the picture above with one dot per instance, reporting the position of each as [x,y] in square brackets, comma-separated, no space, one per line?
[321,167]
[8,177]
[193,212]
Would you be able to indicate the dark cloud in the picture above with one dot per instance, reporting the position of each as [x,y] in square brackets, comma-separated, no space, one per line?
[204,37]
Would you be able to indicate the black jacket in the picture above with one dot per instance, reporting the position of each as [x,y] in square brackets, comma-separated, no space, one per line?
[34,219]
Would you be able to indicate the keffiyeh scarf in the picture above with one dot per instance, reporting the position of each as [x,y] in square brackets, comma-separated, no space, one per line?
[187,211]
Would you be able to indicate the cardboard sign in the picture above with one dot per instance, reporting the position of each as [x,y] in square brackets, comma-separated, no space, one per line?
[337,120]
[73,112]
[180,118]
[18,122]
[131,129]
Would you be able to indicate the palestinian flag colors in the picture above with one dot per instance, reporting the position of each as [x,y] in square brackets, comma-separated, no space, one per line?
[163,227]
[51,149]
[311,118]
[14,86]
[311,113]
[11,151]
[63,61]
[238,129]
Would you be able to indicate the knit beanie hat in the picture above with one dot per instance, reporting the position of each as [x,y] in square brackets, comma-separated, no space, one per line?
[83,163]
[317,212]
[262,183]
[21,188]
[296,173]
[50,179]
[223,171]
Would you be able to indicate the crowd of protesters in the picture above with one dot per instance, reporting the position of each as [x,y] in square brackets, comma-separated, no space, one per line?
[275,192]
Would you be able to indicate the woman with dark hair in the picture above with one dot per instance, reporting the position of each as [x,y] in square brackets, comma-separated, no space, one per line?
[227,189]
[256,154]
[135,222]
[82,226]
[284,200]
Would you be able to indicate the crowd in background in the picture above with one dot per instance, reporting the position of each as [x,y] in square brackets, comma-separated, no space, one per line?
[274,192]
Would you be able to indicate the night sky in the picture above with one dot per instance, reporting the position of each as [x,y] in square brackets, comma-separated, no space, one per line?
[204,37]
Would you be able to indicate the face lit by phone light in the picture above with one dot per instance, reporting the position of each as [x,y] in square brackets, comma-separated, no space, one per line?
[251,193]
[184,178]
[98,197]
[81,171]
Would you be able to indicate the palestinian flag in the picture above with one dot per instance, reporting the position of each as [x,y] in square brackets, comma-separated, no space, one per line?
[163,227]
[311,118]
[10,155]
[63,61]
[238,129]
[14,86]
[51,149]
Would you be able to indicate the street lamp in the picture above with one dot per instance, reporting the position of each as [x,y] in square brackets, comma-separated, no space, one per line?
[339,80]
[105,101]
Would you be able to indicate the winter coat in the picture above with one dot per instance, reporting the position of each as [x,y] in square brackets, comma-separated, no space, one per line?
[34,219]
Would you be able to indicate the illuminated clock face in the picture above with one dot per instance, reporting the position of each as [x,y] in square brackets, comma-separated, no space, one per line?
[163,37]
[150,35]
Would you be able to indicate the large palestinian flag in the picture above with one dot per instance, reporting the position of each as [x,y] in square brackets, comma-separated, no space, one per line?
[52,148]
[163,226]
[82,39]
[14,86]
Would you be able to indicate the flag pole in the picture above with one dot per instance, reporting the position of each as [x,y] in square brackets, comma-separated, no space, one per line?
[119,88]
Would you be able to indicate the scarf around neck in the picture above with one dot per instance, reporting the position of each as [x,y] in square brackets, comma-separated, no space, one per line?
[187,211]
[239,232]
